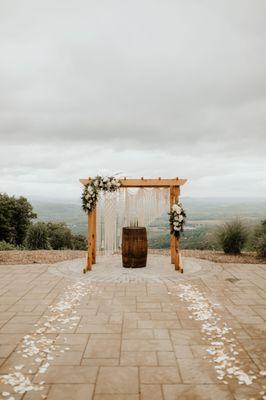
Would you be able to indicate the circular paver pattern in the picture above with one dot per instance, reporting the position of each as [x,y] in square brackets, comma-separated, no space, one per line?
[158,269]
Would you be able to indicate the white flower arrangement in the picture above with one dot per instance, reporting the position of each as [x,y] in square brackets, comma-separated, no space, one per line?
[91,191]
[177,219]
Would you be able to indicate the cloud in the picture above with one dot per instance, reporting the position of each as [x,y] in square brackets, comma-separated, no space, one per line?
[149,88]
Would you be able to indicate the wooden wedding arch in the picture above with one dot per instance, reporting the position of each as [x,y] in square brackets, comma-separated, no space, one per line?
[174,187]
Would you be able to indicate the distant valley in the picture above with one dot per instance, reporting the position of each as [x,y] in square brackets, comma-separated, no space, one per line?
[204,214]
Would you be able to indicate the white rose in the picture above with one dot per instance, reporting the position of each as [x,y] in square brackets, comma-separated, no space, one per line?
[180,218]
[176,208]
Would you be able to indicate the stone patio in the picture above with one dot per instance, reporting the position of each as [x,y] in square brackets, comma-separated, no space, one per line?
[116,334]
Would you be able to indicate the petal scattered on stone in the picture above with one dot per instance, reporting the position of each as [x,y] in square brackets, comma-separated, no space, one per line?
[40,345]
[222,349]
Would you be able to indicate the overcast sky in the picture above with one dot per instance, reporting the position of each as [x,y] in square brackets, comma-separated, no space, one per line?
[149,88]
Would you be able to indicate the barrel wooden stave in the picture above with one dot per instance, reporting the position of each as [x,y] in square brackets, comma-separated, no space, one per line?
[134,247]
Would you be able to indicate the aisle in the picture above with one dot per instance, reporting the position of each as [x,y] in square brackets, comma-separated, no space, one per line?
[68,338]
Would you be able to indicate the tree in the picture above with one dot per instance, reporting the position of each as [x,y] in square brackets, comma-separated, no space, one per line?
[7,229]
[15,218]
[232,236]
[59,235]
[37,237]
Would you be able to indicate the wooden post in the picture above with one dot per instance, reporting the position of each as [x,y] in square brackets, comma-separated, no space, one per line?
[177,258]
[90,242]
[180,264]
[94,236]
[172,238]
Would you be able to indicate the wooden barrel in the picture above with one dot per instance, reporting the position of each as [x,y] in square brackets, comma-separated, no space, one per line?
[134,247]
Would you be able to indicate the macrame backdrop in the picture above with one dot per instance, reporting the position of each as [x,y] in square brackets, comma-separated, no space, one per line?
[124,208]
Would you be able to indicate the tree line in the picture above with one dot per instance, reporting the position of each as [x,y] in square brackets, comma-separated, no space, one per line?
[18,229]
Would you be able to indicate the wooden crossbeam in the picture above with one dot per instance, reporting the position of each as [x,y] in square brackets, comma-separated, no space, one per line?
[157,182]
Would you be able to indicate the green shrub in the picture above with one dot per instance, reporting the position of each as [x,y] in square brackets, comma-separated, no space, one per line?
[259,230]
[59,235]
[232,237]
[79,242]
[261,246]
[259,239]
[53,235]
[7,246]
[37,237]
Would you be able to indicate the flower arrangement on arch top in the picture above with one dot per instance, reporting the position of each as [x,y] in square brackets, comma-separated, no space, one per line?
[91,191]
[177,219]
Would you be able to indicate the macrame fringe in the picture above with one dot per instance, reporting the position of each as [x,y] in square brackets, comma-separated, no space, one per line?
[126,207]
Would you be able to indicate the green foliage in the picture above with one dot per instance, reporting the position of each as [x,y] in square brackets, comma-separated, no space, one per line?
[15,218]
[79,242]
[259,239]
[259,231]
[177,218]
[7,246]
[37,237]
[92,190]
[56,236]
[232,237]
[261,246]
[59,235]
